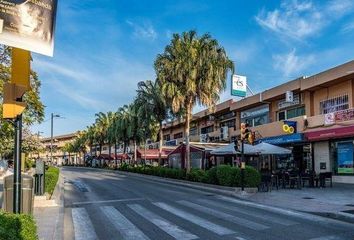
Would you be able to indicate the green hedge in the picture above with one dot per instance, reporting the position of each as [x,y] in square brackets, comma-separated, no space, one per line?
[17,227]
[51,179]
[224,175]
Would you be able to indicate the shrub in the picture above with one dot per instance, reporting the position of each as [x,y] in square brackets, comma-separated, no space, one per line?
[211,176]
[51,179]
[226,175]
[17,226]
[196,175]
[252,177]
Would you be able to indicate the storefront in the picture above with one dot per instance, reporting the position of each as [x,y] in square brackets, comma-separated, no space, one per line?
[299,160]
[334,152]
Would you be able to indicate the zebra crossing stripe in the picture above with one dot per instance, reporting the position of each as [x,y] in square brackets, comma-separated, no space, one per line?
[83,228]
[162,223]
[195,219]
[281,221]
[123,225]
[328,238]
[225,216]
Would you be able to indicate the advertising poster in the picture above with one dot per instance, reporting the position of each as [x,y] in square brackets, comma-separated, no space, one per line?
[239,86]
[345,157]
[28,24]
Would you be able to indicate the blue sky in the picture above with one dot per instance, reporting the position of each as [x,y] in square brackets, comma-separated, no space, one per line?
[104,48]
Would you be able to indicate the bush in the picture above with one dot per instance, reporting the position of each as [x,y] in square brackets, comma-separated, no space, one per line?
[252,177]
[196,175]
[17,226]
[211,176]
[226,175]
[51,179]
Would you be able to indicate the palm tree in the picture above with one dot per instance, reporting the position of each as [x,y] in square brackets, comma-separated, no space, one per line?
[152,107]
[192,70]
[68,147]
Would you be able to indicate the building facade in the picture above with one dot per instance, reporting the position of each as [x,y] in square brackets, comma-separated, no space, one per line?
[320,109]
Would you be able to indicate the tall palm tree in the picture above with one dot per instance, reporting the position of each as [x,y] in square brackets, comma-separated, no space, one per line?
[192,70]
[152,107]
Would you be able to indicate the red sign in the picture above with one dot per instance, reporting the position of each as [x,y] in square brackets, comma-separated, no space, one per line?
[344,115]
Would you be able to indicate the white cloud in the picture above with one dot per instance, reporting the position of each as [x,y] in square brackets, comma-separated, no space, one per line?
[348,27]
[143,31]
[291,64]
[302,19]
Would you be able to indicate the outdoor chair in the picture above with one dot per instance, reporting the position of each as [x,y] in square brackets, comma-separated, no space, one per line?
[325,177]
[266,183]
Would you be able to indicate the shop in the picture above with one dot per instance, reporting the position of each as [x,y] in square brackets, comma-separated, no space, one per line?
[334,152]
[300,159]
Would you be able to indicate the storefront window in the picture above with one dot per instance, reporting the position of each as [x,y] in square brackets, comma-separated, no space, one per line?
[343,157]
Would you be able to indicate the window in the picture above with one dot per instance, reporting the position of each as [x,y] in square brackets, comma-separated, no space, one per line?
[104,149]
[178,135]
[227,115]
[256,116]
[166,137]
[291,113]
[193,131]
[207,130]
[334,104]
[229,124]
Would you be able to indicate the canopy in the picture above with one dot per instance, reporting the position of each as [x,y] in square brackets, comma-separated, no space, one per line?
[230,150]
[266,148]
[259,149]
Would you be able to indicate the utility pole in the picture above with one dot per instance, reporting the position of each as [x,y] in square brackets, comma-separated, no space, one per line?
[52,116]
[17,165]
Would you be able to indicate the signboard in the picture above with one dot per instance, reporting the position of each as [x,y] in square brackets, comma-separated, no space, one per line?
[290,127]
[329,119]
[345,157]
[239,86]
[289,96]
[28,24]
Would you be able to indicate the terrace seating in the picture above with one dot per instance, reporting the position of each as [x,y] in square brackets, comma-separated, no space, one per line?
[325,177]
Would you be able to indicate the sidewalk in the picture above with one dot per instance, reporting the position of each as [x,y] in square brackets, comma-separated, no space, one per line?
[339,198]
[49,214]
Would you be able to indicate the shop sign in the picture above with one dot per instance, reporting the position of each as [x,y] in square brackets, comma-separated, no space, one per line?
[289,127]
[344,115]
[329,119]
[345,158]
[28,24]
[239,86]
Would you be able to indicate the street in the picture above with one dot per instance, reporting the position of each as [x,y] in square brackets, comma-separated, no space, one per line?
[103,204]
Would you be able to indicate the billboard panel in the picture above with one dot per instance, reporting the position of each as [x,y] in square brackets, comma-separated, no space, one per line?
[28,24]
[239,86]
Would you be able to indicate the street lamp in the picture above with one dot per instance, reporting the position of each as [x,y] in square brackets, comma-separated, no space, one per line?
[38,136]
[51,134]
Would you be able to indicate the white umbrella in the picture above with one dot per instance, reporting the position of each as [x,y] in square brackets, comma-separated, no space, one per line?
[266,148]
[230,150]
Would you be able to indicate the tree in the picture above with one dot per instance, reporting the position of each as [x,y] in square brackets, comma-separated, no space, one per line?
[192,70]
[34,112]
[69,148]
[152,108]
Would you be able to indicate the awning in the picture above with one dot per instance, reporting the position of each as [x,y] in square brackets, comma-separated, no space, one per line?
[284,139]
[330,133]
[230,150]
[269,149]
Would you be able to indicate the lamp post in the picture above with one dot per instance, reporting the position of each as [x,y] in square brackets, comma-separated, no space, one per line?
[51,134]
[38,136]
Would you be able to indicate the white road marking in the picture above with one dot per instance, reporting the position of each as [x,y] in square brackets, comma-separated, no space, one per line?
[108,201]
[162,223]
[127,229]
[328,238]
[83,227]
[195,219]
[240,221]
[277,220]
[240,238]
[287,212]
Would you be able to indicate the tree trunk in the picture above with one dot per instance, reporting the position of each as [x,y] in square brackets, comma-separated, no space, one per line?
[101,164]
[135,155]
[115,154]
[160,144]
[187,156]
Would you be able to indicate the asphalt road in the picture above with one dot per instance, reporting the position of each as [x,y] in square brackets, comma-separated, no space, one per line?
[108,205]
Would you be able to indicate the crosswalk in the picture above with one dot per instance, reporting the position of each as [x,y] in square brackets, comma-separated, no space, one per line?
[181,220]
